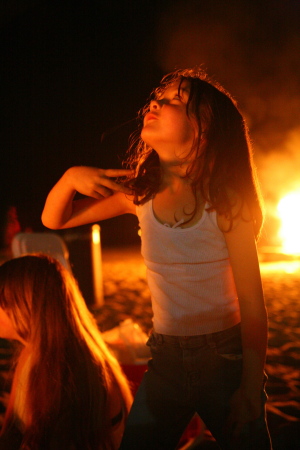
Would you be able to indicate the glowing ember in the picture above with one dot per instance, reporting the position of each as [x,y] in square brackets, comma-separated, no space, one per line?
[289,213]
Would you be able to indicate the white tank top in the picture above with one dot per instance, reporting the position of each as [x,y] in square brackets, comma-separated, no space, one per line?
[189,275]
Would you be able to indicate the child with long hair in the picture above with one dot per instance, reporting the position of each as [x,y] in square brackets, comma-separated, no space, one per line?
[68,391]
[191,182]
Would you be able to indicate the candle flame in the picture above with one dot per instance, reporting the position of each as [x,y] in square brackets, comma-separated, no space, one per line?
[96,234]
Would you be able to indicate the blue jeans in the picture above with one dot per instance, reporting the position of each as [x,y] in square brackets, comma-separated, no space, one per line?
[188,375]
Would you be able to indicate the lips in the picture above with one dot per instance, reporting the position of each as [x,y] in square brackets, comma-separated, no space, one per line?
[150,116]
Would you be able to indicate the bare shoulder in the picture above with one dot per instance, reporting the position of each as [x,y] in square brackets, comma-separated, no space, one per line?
[125,201]
[240,212]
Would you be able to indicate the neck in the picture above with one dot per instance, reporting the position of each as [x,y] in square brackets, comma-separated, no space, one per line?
[174,175]
[174,168]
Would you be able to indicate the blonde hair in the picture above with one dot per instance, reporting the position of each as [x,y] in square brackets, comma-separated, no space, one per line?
[70,367]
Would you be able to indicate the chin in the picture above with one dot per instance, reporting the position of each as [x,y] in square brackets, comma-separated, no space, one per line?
[148,136]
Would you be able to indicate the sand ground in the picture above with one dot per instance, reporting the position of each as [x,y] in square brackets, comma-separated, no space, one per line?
[126,295]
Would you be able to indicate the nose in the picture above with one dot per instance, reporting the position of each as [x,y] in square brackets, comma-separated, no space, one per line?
[154,105]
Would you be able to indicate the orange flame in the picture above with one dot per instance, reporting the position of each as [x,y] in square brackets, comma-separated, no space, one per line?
[289,212]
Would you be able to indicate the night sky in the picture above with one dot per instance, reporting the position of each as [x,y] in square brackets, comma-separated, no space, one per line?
[71,70]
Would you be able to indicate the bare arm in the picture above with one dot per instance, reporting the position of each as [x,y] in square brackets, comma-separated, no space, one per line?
[246,402]
[104,198]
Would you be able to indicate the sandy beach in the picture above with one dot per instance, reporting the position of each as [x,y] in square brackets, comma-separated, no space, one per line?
[126,295]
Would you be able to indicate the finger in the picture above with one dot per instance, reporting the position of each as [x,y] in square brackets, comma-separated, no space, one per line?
[121,188]
[238,429]
[237,432]
[232,425]
[101,192]
[113,186]
[115,173]
[230,422]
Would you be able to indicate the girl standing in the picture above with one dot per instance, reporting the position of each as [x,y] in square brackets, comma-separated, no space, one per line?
[68,392]
[192,185]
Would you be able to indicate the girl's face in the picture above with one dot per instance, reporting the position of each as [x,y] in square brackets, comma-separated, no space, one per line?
[7,330]
[167,128]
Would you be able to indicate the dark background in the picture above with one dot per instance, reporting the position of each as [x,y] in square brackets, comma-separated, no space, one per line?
[73,70]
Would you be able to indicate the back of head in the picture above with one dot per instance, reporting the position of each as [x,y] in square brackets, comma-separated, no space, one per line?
[33,291]
[70,366]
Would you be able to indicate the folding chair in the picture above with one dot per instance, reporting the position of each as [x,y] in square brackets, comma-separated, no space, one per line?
[50,243]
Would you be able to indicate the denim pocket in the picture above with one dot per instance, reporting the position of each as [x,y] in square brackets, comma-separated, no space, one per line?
[228,344]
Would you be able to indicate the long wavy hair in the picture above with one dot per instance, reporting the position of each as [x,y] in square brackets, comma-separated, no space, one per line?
[69,369]
[222,169]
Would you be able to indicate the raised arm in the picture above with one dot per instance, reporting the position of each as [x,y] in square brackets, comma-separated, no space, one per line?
[104,198]
[246,403]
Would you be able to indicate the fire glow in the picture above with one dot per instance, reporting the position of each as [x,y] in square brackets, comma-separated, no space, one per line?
[289,213]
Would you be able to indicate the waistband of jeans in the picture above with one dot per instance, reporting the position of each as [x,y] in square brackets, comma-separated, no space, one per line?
[196,340]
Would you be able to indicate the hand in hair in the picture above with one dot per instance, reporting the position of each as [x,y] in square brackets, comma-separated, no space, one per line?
[96,185]
[95,182]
